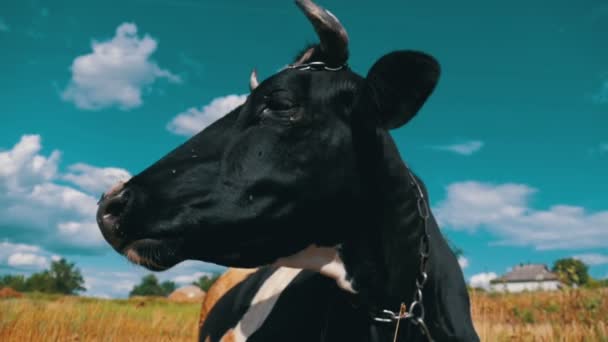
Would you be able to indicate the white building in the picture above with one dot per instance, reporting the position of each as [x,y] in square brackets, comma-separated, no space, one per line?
[532,277]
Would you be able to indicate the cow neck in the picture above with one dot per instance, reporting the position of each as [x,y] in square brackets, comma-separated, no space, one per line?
[383,259]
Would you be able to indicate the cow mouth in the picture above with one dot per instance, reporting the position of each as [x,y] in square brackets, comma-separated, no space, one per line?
[153,254]
[162,254]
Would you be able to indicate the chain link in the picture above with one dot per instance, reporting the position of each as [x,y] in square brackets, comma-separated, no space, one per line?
[415,312]
[315,66]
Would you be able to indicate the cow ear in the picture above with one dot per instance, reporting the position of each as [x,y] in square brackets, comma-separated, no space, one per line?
[397,86]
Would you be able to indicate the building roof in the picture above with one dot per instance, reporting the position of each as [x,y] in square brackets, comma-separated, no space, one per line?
[530,272]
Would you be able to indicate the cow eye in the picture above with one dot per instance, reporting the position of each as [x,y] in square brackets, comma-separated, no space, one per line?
[278,104]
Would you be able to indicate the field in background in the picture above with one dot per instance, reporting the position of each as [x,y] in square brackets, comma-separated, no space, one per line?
[572,315]
[580,315]
[53,318]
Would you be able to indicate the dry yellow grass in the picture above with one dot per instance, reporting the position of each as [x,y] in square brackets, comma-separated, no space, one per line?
[573,315]
[580,315]
[84,319]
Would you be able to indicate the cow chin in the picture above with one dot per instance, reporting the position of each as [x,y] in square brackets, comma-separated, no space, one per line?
[153,254]
[250,254]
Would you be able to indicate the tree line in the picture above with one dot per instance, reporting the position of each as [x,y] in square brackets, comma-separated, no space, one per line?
[150,286]
[63,277]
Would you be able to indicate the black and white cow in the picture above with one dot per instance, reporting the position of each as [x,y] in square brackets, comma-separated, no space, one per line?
[305,180]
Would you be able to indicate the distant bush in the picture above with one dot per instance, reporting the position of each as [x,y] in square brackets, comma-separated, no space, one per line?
[15,282]
[572,272]
[596,283]
[62,277]
[525,315]
[205,281]
[149,286]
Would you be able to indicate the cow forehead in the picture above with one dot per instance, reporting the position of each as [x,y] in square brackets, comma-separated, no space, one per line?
[309,82]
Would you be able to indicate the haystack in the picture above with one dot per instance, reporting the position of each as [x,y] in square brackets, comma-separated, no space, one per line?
[7,292]
[187,294]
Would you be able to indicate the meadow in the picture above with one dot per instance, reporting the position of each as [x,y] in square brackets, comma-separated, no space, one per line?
[573,315]
[569,315]
[62,318]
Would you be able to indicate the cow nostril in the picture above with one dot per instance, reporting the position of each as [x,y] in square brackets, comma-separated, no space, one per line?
[118,204]
[115,208]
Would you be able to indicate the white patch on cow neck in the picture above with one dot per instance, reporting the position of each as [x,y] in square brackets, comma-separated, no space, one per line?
[324,260]
[263,302]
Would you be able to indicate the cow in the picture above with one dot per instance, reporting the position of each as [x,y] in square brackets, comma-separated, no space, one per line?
[225,282]
[305,182]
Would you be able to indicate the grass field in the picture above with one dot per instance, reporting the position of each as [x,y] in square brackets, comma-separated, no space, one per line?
[580,315]
[572,315]
[52,318]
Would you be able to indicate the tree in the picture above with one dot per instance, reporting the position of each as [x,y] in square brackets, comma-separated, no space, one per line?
[149,286]
[40,282]
[168,287]
[62,277]
[66,278]
[206,281]
[571,271]
[15,282]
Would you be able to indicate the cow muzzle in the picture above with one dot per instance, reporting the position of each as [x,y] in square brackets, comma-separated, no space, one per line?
[113,206]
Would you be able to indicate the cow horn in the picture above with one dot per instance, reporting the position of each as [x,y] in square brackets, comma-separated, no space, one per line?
[253,80]
[332,35]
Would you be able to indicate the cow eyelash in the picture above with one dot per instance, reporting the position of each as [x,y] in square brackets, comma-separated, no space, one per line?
[278,104]
[285,117]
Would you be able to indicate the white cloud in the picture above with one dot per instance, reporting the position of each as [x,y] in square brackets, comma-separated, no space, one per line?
[33,204]
[95,179]
[61,197]
[482,280]
[466,148]
[601,97]
[123,286]
[84,233]
[194,120]
[8,248]
[593,259]
[4,26]
[463,262]
[21,255]
[116,284]
[27,260]
[504,209]
[113,284]
[189,278]
[100,295]
[116,72]
[22,166]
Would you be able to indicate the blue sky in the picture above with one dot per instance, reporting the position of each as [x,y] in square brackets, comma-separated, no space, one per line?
[513,145]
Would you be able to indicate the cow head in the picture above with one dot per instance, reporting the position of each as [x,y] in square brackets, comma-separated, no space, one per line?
[279,173]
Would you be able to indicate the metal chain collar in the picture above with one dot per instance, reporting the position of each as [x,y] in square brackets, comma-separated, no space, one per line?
[315,66]
[415,312]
